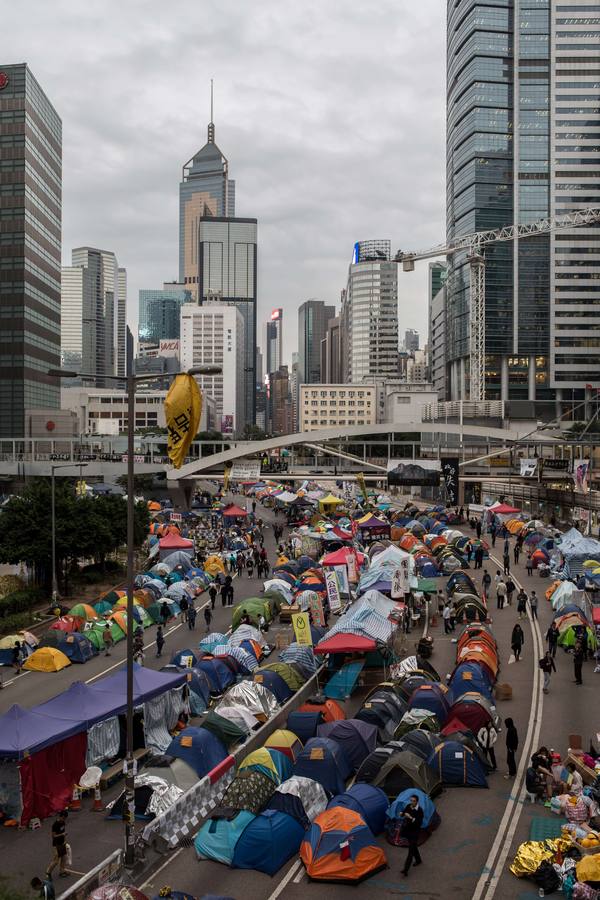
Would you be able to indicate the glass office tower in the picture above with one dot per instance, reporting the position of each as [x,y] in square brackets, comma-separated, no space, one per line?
[31,212]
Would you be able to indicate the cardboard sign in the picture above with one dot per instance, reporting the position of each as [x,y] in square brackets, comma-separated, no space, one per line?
[176,517]
[333,590]
[316,610]
[301,623]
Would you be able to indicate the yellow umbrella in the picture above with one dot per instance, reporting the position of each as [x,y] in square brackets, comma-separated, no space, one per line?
[591,564]
[596,571]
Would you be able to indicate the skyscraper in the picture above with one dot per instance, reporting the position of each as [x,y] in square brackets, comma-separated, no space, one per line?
[31,209]
[121,323]
[370,313]
[313,317]
[205,190]
[274,339]
[523,103]
[411,340]
[227,273]
[160,313]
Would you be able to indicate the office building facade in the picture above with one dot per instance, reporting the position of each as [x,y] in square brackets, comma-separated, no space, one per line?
[31,189]
[227,273]
[280,402]
[160,313]
[523,104]
[214,335]
[274,341]
[324,406]
[121,323]
[370,313]
[313,318]
[331,355]
[411,340]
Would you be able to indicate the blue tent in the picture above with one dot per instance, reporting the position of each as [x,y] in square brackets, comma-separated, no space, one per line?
[324,761]
[199,748]
[431,698]
[268,842]
[425,802]
[276,685]
[219,675]
[357,739]
[457,764]
[367,800]
[304,724]
[199,687]
[469,677]
[77,647]
[430,570]
[218,836]
[180,658]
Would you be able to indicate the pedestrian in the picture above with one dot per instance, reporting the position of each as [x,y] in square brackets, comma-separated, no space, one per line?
[522,604]
[517,640]
[506,562]
[529,564]
[500,594]
[46,888]
[486,582]
[478,529]
[160,641]
[138,648]
[486,738]
[207,618]
[254,506]
[479,556]
[212,593]
[552,636]
[510,589]
[192,617]
[446,617]
[547,665]
[59,846]
[224,593]
[250,566]
[17,656]
[184,606]
[506,547]
[107,639]
[453,616]
[412,816]
[533,602]
[512,744]
[230,595]
[239,564]
[578,655]
[516,552]
[493,531]
[165,613]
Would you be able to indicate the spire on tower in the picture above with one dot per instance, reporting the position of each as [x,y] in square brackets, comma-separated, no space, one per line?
[211,125]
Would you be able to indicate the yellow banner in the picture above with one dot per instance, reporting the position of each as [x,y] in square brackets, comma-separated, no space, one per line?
[301,623]
[360,480]
[183,407]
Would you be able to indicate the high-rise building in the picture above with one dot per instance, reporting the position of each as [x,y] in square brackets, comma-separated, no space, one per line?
[274,340]
[370,313]
[313,317]
[437,275]
[121,323]
[160,313]
[214,335]
[294,390]
[437,327]
[227,273]
[411,340]
[280,401]
[31,210]
[205,190]
[523,110]
[331,357]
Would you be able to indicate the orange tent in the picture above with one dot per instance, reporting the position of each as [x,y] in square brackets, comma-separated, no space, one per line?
[340,847]
[397,532]
[121,619]
[478,633]
[481,655]
[153,506]
[551,589]
[332,711]
[407,541]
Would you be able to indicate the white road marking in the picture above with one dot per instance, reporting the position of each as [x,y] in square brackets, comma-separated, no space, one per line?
[157,872]
[284,881]
[299,876]
[489,878]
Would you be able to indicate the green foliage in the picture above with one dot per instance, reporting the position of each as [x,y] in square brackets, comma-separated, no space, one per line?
[141,483]
[15,622]
[20,601]
[253,433]
[10,893]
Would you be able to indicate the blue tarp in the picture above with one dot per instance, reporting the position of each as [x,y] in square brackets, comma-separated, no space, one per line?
[368,801]
[323,760]
[341,684]
[268,842]
[217,838]
[199,748]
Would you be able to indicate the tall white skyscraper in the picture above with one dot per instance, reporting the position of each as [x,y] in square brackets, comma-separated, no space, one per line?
[214,335]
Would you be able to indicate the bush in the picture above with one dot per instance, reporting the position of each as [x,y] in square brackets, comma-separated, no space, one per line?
[91,577]
[15,622]
[21,601]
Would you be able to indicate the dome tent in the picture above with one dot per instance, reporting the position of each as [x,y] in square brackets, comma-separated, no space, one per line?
[341,847]
[267,842]
[324,761]
[357,739]
[219,835]
[456,764]
[302,798]
[396,770]
[368,801]
[286,742]
[431,819]
[198,748]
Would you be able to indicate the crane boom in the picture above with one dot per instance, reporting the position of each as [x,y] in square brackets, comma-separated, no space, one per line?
[475,244]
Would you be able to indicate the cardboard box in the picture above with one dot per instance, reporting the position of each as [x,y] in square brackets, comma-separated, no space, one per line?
[575,741]
[503,692]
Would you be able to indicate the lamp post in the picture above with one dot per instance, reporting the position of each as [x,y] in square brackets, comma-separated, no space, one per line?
[131,381]
[53,507]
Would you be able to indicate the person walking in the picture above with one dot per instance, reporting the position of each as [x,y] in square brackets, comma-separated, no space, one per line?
[192,617]
[478,556]
[107,639]
[184,606]
[533,602]
[250,566]
[160,641]
[486,582]
[493,532]
[230,593]
[516,552]
[522,604]
[446,613]
[548,666]
[207,617]
[412,816]
[138,648]
[239,564]
[165,613]
[212,593]
[224,593]
[510,589]
[552,636]
[506,559]
[17,656]
[529,565]
[500,594]
[59,846]
[578,655]
[512,745]
[478,529]
[517,639]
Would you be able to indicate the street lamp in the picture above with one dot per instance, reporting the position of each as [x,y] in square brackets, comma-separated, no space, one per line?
[131,381]
[53,506]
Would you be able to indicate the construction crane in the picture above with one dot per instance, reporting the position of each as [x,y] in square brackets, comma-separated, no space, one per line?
[475,245]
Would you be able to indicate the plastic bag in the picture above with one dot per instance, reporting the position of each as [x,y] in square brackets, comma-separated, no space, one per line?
[546,877]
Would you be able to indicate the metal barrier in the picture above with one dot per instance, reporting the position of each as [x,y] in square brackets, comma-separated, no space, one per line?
[106,872]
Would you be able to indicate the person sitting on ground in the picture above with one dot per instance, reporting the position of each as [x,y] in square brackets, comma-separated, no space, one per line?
[574,781]
[534,780]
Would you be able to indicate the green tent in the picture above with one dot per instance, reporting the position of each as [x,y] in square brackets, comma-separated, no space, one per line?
[154,612]
[427,585]
[255,607]
[95,634]
[568,638]
[227,732]
[291,677]
[145,619]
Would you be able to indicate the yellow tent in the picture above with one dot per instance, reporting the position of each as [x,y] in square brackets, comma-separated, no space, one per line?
[261,759]
[47,659]
[328,504]
[214,565]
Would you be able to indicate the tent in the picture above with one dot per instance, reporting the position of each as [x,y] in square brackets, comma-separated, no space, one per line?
[84,611]
[46,659]
[226,729]
[267,842]
[384,709]
[417,718]
[396,770]
[184,659]
[77,648]
[270,762]
[198,748]
[274,683]
[239,716]
[255,697]
[233,512]
[172,542]
[474,710]
[329,504]
[341,847]
[419,742]
[218,674]
[304,724]
[357,739]
[368,801]
[329,709]
[249,790]
[291,677]
[286,742]
[302,798]
[431,697]
[323,760]
[456,764]
[219,835]
[431,819]
[198,686]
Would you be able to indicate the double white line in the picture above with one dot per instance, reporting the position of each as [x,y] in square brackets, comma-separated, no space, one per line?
[494,865]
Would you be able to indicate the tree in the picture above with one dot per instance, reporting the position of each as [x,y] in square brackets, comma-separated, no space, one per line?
[141,483]
[253,433]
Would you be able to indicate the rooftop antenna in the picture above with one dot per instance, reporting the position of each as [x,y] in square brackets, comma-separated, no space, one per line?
[211,125]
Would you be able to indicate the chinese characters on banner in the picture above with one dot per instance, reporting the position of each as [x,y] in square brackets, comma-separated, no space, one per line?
[317,612]
[333,591]
[450,474]
[302,632]
[183,408]
[400,580]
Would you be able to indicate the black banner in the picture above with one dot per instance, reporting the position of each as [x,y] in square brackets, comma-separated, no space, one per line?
[450,473]
[414,474]
[555,465]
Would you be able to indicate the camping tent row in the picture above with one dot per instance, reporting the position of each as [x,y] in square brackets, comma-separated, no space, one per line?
[55,742]
[437,554]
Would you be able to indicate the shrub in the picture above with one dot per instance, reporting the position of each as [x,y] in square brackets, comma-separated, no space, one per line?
[21,601]
[15,622]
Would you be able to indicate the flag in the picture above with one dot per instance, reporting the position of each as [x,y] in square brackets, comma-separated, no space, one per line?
[183,407]
[360,480]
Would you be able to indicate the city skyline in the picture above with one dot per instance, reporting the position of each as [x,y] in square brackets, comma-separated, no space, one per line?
[128,133]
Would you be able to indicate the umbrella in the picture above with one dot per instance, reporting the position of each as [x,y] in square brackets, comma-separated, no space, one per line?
[591,564]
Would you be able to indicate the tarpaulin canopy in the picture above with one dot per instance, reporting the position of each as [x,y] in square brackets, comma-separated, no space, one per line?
[175,542]
[233,511]
[346,643]
[25,731]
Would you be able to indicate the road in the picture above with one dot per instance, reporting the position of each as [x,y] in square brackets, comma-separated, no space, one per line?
[468,856]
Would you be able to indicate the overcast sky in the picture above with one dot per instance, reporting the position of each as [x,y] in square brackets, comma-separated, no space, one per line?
[331,113]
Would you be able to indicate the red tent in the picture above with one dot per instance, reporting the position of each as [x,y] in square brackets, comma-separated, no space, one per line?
[503,509]
[346,643]
[340,557]
[233,511]
[175,542]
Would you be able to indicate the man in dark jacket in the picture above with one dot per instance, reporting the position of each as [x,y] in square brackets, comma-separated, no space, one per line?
[578,657]
[512,744]
[411,829]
